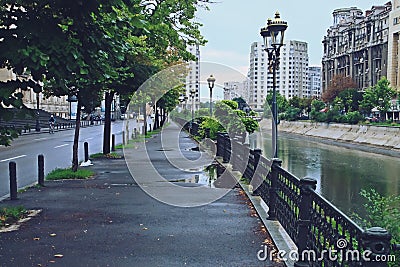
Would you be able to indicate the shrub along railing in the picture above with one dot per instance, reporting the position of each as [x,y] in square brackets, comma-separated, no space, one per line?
[324,235]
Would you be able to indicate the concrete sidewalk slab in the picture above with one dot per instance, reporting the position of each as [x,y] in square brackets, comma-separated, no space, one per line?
[110,221]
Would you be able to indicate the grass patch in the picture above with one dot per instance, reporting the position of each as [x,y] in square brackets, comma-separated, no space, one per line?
[9,215]
[61,174]
[111,155]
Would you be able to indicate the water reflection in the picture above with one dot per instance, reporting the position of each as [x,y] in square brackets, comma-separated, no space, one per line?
[341,172]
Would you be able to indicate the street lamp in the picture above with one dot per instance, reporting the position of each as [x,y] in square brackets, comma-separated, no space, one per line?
[181,99]
[211,81]
[71,99]
[37,90]
[273,35]
[192,94]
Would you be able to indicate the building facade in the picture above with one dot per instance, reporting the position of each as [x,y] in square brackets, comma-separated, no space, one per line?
[193,79]
[58,106]
[393,73]
[292,78]
[314,80]
[257,75]
[356,46]
[233,89]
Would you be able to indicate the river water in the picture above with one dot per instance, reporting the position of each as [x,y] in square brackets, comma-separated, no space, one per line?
[341,172]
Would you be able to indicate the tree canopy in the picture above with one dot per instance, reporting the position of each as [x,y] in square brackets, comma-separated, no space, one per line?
[87,48]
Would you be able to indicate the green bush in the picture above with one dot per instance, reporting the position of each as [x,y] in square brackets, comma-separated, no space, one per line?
[291,114]
[211,124]
[383,212]
[354,117]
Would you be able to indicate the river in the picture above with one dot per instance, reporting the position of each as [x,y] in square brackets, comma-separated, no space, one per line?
[341,172]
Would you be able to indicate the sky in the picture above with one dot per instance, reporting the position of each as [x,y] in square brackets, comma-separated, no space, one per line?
[231,26]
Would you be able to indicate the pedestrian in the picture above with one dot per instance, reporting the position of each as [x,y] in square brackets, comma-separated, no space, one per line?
[52,121]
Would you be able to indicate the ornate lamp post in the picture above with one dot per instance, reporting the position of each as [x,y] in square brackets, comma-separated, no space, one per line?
[192,94]
[273,35]
[211,81]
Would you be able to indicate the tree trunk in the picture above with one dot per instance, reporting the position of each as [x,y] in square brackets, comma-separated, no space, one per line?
[144,119]
[76,136]
[162,117]
[156,118]
[109,96]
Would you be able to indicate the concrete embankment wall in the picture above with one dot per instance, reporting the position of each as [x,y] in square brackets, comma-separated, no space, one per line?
[387,137]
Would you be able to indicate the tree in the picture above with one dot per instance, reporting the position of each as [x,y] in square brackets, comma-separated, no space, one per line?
[350,99]
[281,101]
[378,96]
[316,107]
[338,84]
[241,102]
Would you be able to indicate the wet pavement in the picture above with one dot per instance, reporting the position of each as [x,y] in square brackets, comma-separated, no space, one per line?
[111,221]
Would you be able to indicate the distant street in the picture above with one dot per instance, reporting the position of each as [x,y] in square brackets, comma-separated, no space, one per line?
[56,148]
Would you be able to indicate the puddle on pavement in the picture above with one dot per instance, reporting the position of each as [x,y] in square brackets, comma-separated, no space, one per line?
[213,176]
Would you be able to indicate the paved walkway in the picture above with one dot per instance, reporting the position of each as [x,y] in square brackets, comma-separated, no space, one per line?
[111,221]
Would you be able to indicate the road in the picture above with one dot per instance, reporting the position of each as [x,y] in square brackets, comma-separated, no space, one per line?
[57,151]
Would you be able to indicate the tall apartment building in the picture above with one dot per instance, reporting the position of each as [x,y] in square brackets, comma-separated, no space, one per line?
[193,78]
[356,45]
[258,76]
[293,74]
[314,79]
[291,78]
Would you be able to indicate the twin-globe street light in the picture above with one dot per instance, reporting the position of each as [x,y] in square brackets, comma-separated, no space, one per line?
[273,35]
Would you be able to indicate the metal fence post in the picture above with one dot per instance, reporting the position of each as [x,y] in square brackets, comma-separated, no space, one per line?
[135,132]
[377,241]
[41,170]
[273,189]
[226,148]
[256,180]
[13,180]
[219,144]
[307,185]
[123,137]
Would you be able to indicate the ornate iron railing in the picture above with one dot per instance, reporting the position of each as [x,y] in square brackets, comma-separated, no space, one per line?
[324,235]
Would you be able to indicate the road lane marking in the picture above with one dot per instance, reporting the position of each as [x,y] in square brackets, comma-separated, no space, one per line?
[38,139]
[90,138]
[17,157]
[61,146]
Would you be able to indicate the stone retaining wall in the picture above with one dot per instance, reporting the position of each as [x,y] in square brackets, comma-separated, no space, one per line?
[388,137]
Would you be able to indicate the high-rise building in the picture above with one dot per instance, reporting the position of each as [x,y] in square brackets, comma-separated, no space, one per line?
[258,76]
[314,79]
[193,78]
[356,46]
[292,77]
